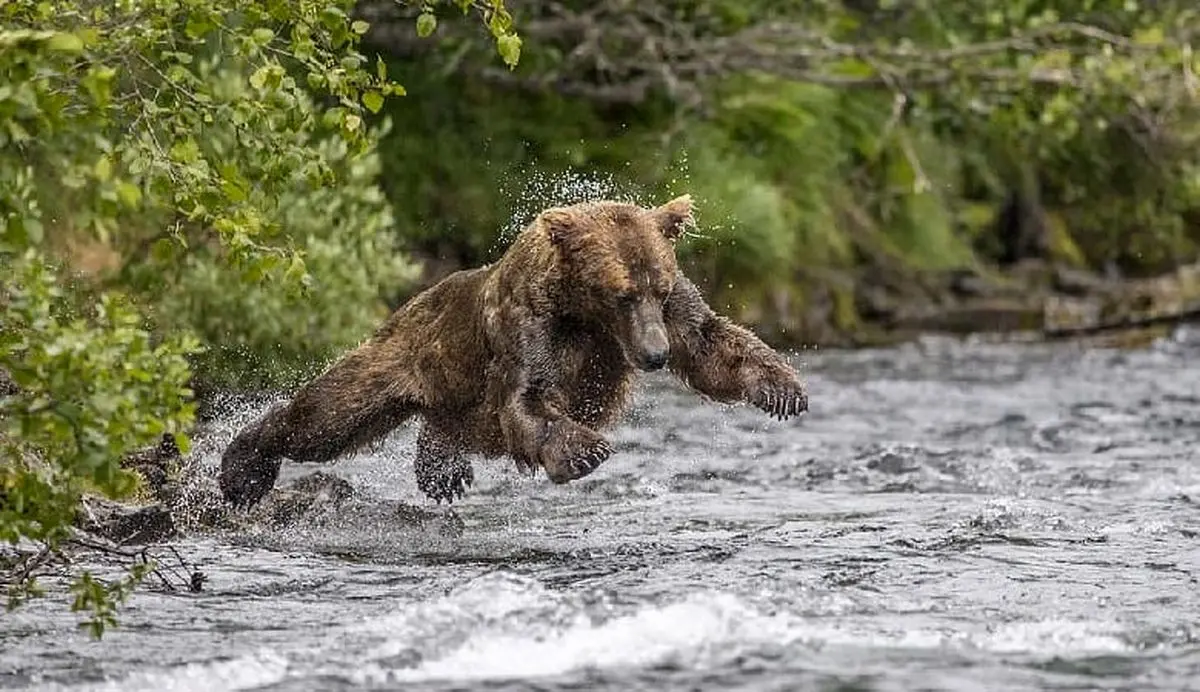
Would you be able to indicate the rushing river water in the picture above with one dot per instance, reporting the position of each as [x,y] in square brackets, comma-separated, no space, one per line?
[948,516]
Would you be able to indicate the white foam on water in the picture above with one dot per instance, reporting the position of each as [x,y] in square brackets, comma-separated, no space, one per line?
[491,601]
[242,673]
[504,633]
[693,631]
[1055,637]
[1041,638]
[503,626]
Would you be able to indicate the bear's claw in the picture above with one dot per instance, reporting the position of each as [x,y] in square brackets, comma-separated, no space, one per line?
[572,451]
[590,460]
[782,403]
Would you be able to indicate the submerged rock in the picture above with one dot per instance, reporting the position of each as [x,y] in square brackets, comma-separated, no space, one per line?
[322,499]
[124,524]
[315,494]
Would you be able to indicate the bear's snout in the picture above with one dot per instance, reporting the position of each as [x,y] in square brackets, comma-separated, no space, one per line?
[653,347]
[654,360]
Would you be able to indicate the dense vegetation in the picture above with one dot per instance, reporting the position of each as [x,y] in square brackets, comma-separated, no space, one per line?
[214,193]
[184,186]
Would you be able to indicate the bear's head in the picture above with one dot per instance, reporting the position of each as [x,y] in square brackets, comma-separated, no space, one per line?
[618,261]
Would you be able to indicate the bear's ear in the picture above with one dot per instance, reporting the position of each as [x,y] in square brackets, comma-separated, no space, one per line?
[559,223]
[675,215]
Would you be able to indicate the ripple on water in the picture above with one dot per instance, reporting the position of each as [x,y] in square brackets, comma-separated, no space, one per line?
[948,516]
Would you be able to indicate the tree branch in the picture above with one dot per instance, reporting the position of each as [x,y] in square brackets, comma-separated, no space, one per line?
[620,52]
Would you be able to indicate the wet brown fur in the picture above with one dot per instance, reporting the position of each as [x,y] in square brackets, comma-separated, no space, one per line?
[527,358]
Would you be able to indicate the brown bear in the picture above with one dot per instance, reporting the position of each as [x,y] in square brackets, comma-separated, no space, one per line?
[528,357]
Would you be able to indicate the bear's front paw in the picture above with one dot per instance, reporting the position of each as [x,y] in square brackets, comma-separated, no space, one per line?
[246,477]
[780,393]
[572,451]
[447,480]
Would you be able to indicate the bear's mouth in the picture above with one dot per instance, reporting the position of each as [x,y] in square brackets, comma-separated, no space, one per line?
[645,362]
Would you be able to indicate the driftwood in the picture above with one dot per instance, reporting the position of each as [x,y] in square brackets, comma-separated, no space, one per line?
[1168,299]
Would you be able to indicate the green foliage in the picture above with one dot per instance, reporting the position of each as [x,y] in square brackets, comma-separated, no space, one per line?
[1097,108]
[102,598]
[267,334]
[92,387]
[187,189]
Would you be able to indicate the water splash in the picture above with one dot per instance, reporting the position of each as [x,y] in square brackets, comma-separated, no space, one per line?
[539,190]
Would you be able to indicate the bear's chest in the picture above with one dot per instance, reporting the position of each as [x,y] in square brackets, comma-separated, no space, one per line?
[592,377]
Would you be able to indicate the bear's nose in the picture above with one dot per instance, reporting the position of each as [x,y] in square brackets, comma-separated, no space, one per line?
[654,360]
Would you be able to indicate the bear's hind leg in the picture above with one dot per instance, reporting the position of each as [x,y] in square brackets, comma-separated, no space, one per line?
[727,362]
[441,466]
[351,405]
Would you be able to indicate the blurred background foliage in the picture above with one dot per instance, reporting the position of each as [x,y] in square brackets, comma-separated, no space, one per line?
[829,143]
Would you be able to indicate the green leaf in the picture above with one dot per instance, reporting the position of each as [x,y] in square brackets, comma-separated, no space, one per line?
[426,24]
[130,194]
[373,100]
[360,27]
[233,192]
[1150,36]
[185,151]
[183,443]
[333,18]
[103,169]
[296,269]
[509,46]
[98,83]
[163,250]
[65,42]
[33,230]
[262,35]
[198,26]
[853,67]
[258,79]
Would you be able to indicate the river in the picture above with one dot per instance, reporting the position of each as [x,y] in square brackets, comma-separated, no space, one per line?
[949,515]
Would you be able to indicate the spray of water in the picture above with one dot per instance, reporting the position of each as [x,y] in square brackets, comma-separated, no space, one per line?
[533,190]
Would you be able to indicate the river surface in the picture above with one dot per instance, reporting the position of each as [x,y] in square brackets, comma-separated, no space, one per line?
[949,515]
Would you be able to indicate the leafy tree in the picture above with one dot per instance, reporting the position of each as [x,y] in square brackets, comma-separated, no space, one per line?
[177,178]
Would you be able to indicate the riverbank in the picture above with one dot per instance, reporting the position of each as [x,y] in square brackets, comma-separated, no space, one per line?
[1031,301]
